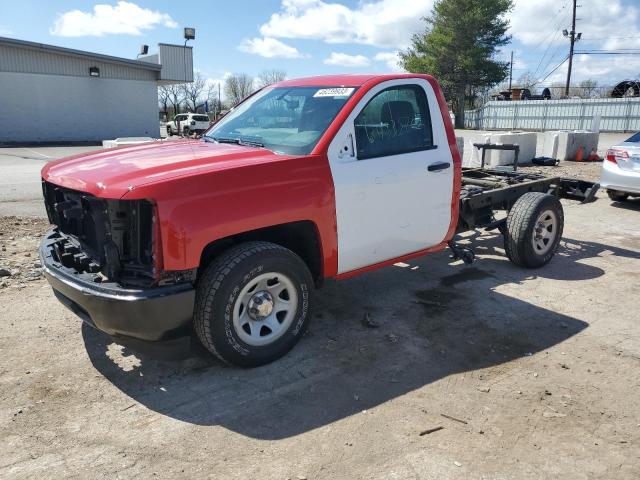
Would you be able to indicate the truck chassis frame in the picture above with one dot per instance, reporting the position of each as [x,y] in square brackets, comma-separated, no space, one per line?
[487,190]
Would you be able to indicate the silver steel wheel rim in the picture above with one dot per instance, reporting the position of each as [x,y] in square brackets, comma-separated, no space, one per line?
[544,232]
[265,308]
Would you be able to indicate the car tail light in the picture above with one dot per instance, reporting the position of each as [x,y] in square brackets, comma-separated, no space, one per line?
[613,154]
[193,122]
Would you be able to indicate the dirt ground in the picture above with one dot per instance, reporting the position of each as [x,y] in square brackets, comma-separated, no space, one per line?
[485,371]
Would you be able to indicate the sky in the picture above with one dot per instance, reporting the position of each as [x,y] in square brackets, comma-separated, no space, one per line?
[313,37]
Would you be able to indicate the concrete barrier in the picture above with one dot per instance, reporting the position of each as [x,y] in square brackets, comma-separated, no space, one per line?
[564,144]
[493,158]
[460,144]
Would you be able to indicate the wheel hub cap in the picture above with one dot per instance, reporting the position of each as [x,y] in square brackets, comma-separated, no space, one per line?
[265,308]
[544,232]
[260,305]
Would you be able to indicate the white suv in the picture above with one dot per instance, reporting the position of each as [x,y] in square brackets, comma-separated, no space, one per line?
[188,123]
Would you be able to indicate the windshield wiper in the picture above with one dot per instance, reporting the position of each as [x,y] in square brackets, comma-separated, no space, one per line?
[238,141]
[223,139]
[250,143]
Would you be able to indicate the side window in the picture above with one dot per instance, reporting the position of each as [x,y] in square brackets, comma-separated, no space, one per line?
[395,121]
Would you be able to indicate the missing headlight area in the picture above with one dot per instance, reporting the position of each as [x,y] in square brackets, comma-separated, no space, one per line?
[111,239]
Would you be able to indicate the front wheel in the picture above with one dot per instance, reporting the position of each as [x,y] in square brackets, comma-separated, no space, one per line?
[169,132]
[533,229]
[253,303]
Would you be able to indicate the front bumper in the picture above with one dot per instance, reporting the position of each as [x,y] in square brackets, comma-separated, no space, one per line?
[154,320]
[615,178]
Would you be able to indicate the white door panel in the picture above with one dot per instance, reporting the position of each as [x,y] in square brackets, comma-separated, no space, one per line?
[390,206]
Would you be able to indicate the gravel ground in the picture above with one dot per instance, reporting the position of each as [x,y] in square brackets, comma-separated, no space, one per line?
[485,371]
[19,262]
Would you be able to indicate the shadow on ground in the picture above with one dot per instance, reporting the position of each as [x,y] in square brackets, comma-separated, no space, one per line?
[435,319]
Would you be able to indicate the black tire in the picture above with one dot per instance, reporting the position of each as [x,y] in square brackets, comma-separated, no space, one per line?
[617,196]
[522,228]
[219,288]
[169,132]
[186,132]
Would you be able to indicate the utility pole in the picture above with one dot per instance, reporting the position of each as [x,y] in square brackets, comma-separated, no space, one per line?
[573,37]
[511,71]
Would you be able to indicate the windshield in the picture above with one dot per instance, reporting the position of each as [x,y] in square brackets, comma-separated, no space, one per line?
[287,120]
[634,138]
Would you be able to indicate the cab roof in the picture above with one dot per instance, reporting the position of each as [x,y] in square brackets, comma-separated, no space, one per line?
[347,80]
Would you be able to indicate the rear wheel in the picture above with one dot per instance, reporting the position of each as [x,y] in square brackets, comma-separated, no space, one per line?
[533,229]
[617,196]
[169,131]
[252,303]
[186,132]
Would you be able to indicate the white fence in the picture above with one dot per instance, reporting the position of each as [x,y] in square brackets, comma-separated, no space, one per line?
[616,115]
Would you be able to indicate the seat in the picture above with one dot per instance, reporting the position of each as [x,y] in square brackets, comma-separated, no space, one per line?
[399,114]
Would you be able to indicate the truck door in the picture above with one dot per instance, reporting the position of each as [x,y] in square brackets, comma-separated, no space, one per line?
[393,174]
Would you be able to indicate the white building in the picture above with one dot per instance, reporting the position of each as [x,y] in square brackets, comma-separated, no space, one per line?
[52,94]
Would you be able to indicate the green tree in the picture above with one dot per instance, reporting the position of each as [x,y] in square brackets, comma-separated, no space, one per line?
[459,46]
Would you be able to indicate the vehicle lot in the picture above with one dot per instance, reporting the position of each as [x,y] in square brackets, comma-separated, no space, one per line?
[537,372]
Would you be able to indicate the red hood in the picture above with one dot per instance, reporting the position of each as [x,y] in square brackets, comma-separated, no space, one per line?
[111,173]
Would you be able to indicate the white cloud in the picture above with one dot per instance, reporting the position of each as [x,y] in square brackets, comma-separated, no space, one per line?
[5,32]
[383,23]
[123,18]
[345,60]
[391,59]
[269,48]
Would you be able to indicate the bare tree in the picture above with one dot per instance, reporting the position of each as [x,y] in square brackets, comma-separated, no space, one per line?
[269,77]
[213,98]
[589,88]
[526,80]
[163,98]
[194,91]
[176,95]
[237,87]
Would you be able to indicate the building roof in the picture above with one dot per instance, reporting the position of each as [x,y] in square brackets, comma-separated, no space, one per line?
[42,47]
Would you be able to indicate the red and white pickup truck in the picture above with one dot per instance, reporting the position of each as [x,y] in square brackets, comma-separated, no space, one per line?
[228,235]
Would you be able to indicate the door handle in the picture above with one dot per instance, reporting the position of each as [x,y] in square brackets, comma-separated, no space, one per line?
[434,167]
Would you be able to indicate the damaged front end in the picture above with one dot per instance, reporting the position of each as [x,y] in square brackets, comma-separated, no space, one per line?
[104,262]
[111,240]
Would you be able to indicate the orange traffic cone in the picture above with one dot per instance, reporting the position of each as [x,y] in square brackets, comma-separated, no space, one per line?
[579,155]
[594,157]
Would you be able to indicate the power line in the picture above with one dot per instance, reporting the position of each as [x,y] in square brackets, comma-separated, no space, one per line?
[636,52]
[552,38]
[554,69]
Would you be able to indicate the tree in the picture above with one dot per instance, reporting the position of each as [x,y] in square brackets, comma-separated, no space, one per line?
[237,87]
[175,92]
[269,77]
[589,87]
[193,92]
[163,98]
[213,98]
[459,45]
[526,80]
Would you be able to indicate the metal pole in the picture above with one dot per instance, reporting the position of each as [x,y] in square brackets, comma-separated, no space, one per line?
[511,71]
[572,40]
